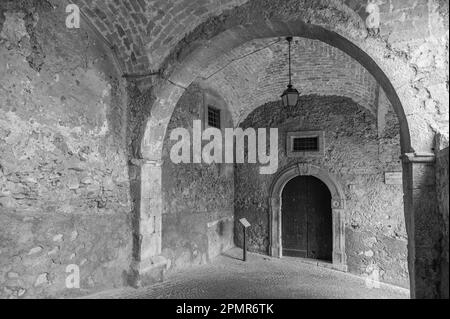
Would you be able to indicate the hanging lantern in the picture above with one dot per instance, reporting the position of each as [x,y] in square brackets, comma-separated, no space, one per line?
[290,97]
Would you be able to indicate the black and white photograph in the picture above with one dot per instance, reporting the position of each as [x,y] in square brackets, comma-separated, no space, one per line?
[224,156]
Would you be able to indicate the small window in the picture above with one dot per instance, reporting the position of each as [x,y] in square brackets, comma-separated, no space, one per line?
[305,144]
[214,117]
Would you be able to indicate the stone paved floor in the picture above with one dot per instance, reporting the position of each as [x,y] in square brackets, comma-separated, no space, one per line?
[261,277]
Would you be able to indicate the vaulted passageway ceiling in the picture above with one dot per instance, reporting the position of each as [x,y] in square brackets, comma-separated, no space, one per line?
[144,32]
[162,37]
[257,73]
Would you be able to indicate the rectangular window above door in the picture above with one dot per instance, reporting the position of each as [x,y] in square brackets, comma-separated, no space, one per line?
[305,144]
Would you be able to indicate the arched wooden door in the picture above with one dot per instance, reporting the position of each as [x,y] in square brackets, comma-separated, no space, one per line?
[307,219]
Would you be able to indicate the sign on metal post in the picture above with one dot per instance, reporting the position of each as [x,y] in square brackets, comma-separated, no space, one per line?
[245,222]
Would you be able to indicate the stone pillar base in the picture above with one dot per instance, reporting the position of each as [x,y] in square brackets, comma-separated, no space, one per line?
[149,271]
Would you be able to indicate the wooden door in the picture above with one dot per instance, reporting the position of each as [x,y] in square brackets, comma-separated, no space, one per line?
[307,219]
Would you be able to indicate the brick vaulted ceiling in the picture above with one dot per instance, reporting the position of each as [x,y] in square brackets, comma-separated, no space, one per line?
[257,73]
[145,31]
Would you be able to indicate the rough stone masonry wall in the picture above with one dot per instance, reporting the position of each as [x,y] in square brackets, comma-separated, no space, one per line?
[442,167]
[64,194]
[358,156]
[412,50]
[198,208]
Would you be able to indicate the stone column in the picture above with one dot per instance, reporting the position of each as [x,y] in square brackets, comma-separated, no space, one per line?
[422,223]
[275,225]
[148,264]
[339,255]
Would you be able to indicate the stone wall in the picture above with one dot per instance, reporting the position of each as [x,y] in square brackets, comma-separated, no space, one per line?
[198,208]
[358,155]
[442,167]
[64,185]
[62,135]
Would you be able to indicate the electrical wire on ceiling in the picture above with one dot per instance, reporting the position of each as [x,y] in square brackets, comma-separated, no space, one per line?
[140,76]
[242,57]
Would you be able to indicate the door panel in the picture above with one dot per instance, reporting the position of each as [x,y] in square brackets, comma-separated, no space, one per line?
[307,219]
[294,221]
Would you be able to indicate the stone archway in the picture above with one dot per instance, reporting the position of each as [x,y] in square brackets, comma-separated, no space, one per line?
[148,234]
[350,37]
[337,206]
[185,73]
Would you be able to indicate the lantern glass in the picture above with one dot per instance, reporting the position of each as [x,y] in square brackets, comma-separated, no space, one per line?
[290,97]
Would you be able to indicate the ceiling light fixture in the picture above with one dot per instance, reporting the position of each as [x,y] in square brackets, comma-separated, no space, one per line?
[290,96]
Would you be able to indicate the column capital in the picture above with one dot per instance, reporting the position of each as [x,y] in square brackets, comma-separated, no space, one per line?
[418,157]
[275,201]
[145,162]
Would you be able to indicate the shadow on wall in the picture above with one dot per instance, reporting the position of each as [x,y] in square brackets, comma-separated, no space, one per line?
[197,198]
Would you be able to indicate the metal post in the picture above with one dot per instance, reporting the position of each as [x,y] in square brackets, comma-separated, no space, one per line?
[245,244]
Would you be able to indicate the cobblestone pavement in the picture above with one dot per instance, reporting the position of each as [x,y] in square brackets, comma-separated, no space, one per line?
[227,277]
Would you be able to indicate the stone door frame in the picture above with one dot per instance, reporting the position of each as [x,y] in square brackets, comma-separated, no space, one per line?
[337,205]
